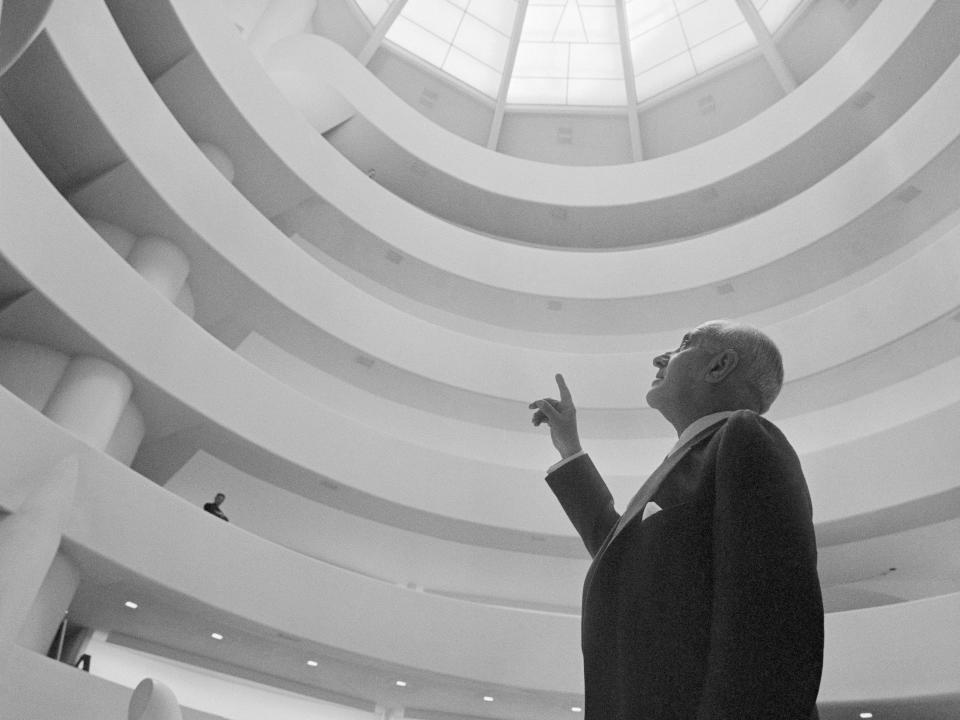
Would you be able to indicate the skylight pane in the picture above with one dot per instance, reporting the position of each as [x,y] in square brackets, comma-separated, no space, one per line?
[657,45]
[776,12]
[596,61]
[498,14]
[537,91]
[664,76]
[373,9]
[724,46]
[542,60]
[710,18]
[539,23]
[418,41]
[600,24]
[571,28]
[482,42]
[440,17]
[596,92]
[643,15]
[473,72]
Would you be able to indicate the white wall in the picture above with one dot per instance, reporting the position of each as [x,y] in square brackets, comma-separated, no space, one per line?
[211,691]
[33,687]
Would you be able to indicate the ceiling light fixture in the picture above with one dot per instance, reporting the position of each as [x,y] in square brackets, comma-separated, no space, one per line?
[216,636]
[866,715]
[401,683]
[132,605]
[312,663]
[487,698]
[576,709]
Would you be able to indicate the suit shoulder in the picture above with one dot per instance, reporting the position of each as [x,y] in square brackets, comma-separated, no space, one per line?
[750,422]
[746,431]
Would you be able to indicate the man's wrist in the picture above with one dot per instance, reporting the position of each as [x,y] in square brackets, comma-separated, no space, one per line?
[569,458]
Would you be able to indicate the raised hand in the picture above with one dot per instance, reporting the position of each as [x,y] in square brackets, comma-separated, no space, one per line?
[561,416]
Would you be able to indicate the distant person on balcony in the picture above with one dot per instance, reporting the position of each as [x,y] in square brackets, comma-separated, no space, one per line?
[214,507]
[702,601]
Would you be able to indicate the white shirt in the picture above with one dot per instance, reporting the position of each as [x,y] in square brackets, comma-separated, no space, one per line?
[690,431]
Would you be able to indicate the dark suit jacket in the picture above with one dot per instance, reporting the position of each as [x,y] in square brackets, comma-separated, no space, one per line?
[711,608]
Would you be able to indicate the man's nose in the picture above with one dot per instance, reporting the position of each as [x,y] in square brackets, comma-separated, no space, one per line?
[661,360]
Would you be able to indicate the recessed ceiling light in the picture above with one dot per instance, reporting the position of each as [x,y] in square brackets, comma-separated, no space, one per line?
[312,663]
[866,715]
[132,605]
[401,683]
[576,709]
[487,698]
[216,636]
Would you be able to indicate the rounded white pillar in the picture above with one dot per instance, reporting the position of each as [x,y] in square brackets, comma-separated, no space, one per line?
[128,435]
[280,19]
[31,371]
[162,264]
[152,700]
[29,539]
[221,161]
[185,302]
[89,399]
[52,600]
[121,240]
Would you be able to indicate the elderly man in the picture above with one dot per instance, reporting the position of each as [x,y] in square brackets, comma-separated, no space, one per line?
[702,601]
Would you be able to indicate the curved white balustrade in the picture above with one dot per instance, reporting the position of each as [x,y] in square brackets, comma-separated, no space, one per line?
[281,423]
[39,688]
[311,600]
[706,260]
[321,62]
[285,425]
[375,327]
[530,577]
[289,592]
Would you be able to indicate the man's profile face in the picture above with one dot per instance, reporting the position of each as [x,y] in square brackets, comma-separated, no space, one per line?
[678,372]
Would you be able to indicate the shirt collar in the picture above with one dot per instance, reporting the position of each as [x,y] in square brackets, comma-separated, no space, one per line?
[697,426]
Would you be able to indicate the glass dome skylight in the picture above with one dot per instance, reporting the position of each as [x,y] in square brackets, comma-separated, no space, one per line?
[576,52]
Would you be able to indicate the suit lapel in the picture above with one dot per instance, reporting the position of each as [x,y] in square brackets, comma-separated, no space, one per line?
[650,487]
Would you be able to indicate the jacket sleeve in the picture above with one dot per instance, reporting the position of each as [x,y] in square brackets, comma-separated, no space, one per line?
[586,500]
[766,635]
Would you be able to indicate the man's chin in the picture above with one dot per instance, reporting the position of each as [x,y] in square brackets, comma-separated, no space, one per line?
[652,397]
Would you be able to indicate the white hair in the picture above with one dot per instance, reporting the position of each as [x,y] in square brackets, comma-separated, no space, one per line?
[760,358]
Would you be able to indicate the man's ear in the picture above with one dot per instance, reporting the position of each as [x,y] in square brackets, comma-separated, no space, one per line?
[721,365]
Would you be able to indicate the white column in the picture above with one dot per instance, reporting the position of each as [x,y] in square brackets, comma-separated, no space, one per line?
[494,138]
[162,264]
[31,371]
[121,240]
[281,19]
[127,436]
[29,539]
[152,700]
[220,160]
[767,47]
[380,31]
[384,712]
[629,82]
[89,399]
[53,598]
[185,302]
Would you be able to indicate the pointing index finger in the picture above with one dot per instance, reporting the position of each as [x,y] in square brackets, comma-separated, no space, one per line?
[565,396]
